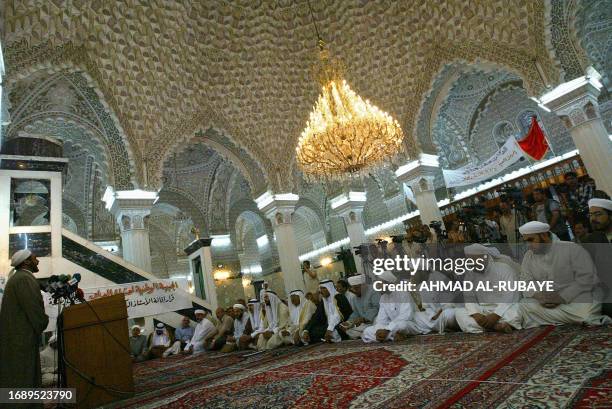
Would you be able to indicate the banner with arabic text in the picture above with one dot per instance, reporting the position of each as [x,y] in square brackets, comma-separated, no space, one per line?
[505,156]
[147,297]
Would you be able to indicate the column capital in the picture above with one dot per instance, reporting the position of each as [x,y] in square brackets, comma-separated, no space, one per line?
[278,207]
[129,207]
[575,101]
[419,174]
[349,205]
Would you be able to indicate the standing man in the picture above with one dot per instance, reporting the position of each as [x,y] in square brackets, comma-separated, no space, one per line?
[22,322]
[548,211]
[311,280]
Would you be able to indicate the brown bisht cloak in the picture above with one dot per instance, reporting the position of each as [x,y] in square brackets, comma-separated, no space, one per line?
[22,321]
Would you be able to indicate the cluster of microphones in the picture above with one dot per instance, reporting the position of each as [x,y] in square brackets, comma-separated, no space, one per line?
[64,288]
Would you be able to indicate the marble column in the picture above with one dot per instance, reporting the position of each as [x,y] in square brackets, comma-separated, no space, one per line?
[575,102]
[202,278]
[130,209]
[349,206]
[279,208]
[419,175]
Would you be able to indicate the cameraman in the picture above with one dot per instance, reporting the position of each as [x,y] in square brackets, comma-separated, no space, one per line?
[22,322]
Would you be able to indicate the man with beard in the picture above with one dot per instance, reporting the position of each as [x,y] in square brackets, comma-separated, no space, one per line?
[598,245]
[277,315]
[365,303]
[204,330]
[336,308]
[22,322]
[577,293]
[241,338]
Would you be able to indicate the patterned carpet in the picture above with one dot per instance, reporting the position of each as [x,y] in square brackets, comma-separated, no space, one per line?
[562,367]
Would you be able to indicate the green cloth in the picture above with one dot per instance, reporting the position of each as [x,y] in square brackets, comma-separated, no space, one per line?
[22,322]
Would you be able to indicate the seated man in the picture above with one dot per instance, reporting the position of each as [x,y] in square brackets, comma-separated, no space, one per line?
[343,287]
[48,363]
[159,341]
[277,315]
[138,345]
[395,315]
[489,310]
[577,294]
[257,318]
[202,333]
[336,308]
[240,339]
[315,328]
[365,303]
[300,311]
[182,336]
[225,327]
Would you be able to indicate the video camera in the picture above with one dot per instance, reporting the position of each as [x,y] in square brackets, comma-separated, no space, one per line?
[64,288]
[437,226]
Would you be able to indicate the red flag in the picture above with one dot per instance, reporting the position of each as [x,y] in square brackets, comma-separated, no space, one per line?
[534,144]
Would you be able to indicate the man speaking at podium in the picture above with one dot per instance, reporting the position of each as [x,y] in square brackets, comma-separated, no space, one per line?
[22,321]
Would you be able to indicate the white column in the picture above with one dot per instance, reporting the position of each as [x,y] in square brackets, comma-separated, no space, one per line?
[575,102]
[349,206]
[200,248]
[419,175]
[130,209]
[279,209]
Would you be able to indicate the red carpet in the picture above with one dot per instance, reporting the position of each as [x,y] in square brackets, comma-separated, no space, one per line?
[562,367]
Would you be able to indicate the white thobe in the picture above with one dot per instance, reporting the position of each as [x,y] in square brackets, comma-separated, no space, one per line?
[575,279]
[201,331]
[504,304]
[395,314]
[48,365]
[434,302]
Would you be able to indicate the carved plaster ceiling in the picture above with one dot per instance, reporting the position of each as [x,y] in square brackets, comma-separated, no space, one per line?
[168,68]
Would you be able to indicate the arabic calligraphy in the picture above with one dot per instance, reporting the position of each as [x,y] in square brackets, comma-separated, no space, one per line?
[162,299]
[147,288]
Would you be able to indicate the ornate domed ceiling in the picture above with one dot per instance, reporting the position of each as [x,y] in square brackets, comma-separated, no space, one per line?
[168,69]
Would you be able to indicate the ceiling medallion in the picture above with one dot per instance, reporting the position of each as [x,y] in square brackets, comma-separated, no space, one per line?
[346,135]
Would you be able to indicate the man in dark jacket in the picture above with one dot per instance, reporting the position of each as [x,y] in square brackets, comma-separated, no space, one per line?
[22,322]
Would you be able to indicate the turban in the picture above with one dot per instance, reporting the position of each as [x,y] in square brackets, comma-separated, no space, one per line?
[160,325]
[19,257]
[603,203]
[296,292]
[134,327]
[356,280]
[534,227]
[199,312]
[240,306]
[388,277]
[478,249]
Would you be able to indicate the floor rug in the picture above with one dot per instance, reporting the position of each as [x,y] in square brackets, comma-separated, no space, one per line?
[548,367]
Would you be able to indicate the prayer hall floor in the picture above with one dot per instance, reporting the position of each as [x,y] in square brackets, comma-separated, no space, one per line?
[547,367]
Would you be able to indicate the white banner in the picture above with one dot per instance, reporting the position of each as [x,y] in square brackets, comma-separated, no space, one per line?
[508,154]
[147,297]
[142,298]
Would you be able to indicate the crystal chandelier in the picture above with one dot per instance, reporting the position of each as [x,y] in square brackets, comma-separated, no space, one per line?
[345,135]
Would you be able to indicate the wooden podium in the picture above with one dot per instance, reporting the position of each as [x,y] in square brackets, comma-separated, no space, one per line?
[91,349]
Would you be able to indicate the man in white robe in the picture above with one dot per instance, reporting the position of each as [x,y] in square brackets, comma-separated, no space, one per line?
[489,310]
[277,315]
[395,315]
[334,304]
[204,331]
[438,308]
[365,303]
[300,311]
[577,294]
[258,320]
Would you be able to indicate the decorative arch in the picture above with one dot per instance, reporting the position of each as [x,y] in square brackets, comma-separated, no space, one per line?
[89,112]
[186,203]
